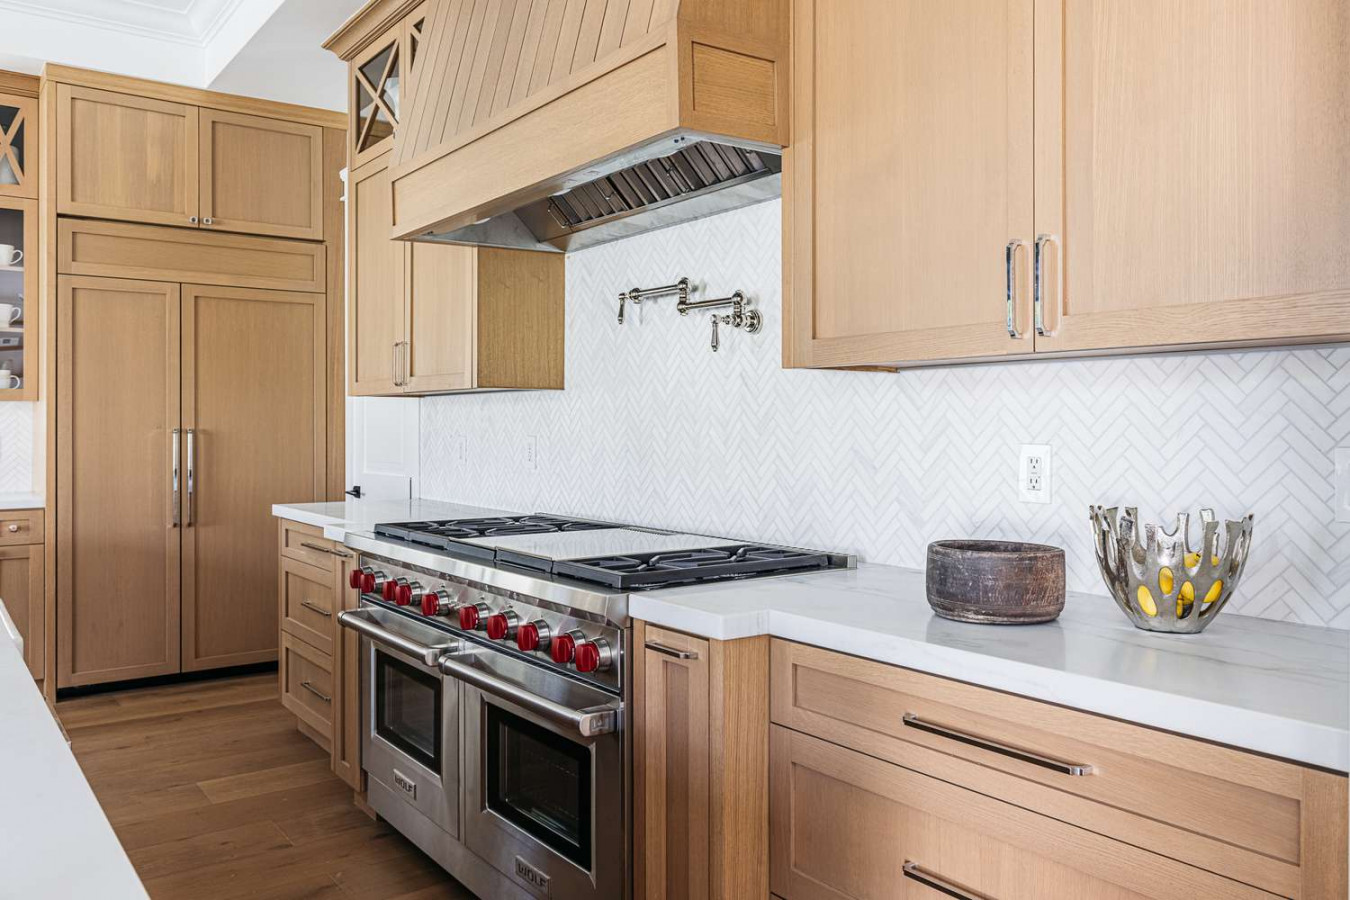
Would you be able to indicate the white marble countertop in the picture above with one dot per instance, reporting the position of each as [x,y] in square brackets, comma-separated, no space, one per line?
[15,500]
[340,517]
[1262,685]
[55,841]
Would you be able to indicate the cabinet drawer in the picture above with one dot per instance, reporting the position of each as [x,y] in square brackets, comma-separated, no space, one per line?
[850,827]
[20,526]
[307,683]
[308,603]
[1249,817]
[306,544]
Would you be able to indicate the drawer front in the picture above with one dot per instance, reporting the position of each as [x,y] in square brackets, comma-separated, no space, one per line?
[20,526]
[307,683]
[307,544]
[1217,808]
[308,603]
[850,827]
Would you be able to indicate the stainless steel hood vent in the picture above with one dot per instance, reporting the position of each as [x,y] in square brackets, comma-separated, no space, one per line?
[700,179]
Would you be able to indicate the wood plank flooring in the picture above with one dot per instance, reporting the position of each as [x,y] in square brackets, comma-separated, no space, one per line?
[216,796]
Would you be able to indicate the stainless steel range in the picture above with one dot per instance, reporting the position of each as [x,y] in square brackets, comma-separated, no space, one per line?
[495,686]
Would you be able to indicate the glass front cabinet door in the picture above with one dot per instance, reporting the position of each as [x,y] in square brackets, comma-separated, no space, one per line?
[18,146]
[18,294]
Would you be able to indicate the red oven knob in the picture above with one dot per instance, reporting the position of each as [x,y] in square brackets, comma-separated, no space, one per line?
[436,603]
[354,579]
[532,636]
[471,616]
[563,649]
[502,626]
[403,594]
[390,590]
[370,580]
[593,656]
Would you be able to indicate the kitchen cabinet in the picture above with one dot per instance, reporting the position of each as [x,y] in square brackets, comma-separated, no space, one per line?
[700,766]
[22,584]
[428,318]
[18,141]
[913,767]
[144,159]
[312,590]
[19,336]
[253,414]
[178,449]
[942,153]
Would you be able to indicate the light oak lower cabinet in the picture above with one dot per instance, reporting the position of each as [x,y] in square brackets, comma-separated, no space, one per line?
[700,766]
[22,587]
[432,318]
[883,762]
[320,671]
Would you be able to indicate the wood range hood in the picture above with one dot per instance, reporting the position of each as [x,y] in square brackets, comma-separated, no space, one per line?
[561,124]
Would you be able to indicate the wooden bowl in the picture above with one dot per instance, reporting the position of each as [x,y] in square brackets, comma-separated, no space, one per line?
[995,582]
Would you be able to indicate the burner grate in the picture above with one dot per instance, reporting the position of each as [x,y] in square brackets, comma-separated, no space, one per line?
[646,570]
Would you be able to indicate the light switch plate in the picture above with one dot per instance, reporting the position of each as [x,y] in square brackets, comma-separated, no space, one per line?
[1341,456]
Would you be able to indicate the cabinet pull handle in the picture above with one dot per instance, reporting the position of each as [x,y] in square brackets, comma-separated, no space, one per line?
[1036,759]
[316,692]
[1010,266]
[397,381]
[173,476]
[671,651]
[1043,328]
[915,872]
[327,614]
[318,547]
[191,474]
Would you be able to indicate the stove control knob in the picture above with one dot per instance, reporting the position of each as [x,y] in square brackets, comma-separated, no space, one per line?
[404,593]
[471,616]
[594,656]
[502,626]
[437,603]
[563,647]
[371,579]
[390,590]
[356,576]
[533,636]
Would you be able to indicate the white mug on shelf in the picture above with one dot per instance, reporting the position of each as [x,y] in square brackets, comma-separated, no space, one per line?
[9,256]
[8,380]
[9,314]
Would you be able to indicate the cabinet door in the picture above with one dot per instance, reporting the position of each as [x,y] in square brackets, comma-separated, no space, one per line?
[846,826]
[19,339]
[441,299]
[261,176]
[1194,160]
[376,96]
[21,590]
[673,744]
[18,146]
[117,532]
[125,157]
[909,173]
[375,285]
[254,420]
[347,721]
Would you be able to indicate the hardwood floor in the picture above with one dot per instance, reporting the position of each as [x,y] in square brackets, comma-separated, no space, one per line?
[215,796]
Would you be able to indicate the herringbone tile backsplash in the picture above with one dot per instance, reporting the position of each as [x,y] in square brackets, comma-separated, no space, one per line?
[16,447]
[654,429]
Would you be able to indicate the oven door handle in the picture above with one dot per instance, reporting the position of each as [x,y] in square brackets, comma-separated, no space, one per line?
[591,722]
[363,621]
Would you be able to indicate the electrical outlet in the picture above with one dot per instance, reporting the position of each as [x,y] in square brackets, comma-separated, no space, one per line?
[532,453]
[1341,456]
[1033,473]
[460,447]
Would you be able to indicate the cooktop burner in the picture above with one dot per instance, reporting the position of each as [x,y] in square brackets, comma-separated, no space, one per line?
[647,570]
[442,533]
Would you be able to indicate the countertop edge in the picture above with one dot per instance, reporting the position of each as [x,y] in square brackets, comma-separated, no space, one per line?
[1297,741]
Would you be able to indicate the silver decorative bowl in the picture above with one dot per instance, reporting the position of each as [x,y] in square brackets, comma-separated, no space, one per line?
[1162,582]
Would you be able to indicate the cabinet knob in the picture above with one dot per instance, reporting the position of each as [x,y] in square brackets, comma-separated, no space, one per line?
[208,221]
[14,528]
[192,219]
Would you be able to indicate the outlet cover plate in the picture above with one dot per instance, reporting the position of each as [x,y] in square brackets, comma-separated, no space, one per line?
[1034,470]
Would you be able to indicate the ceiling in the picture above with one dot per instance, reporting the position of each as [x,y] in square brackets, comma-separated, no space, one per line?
[262,48]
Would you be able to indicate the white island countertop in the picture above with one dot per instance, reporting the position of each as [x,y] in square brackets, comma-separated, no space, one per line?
[340,517]
[55,841]
[1267,686]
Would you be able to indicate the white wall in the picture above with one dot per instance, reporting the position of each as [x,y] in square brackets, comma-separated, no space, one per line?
[655,429]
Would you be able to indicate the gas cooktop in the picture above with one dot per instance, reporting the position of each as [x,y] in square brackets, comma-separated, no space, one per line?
[621,557]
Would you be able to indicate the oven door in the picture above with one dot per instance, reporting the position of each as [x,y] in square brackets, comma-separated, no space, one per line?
[410,736]
[544,795]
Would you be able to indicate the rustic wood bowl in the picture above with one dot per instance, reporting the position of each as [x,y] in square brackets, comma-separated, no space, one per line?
[995,582]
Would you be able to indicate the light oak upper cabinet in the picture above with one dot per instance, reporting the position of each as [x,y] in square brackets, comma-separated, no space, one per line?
[253,365]
[910,170]
[125,157]
[261,176]
[375,279]
[1182,172]
[1203,191]
[18,146]
[137,159]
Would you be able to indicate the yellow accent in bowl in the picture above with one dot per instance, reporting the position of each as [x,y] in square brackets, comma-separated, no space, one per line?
[1165,580]
[1193,560]
[1146,603]
[1214,591]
